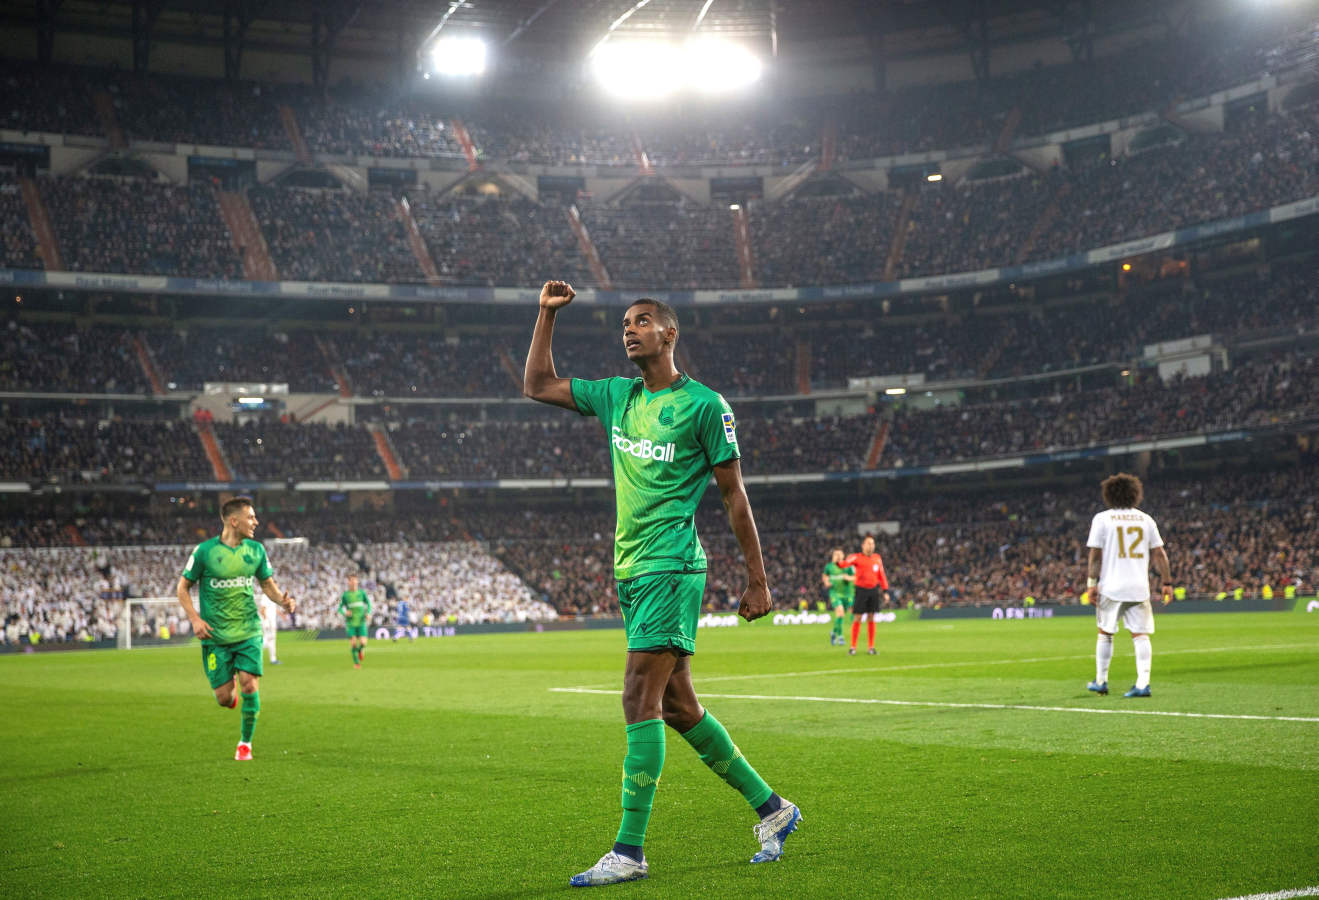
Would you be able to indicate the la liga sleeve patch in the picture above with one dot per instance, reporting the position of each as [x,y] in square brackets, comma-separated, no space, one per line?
[730,430]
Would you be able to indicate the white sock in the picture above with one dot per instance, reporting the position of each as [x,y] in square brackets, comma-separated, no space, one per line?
[1144,652]
[1103,656]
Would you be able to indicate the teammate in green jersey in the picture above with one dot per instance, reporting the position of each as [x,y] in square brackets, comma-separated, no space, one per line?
[841,583]
[228,624]
[355,607]
[667,435]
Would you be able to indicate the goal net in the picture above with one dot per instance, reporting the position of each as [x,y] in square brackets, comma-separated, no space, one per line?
[152,621]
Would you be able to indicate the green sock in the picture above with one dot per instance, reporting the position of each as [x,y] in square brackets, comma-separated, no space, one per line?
[354,649]
[838,626]
[717,750]
[641,775]
[251,709]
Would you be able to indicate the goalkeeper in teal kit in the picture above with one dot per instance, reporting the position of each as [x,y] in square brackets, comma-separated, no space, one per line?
[228,623]
[667,435]
[355,607]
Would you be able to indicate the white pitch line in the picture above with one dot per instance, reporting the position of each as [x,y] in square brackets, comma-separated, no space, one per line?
[950,705]
[1312,891]
[854,670]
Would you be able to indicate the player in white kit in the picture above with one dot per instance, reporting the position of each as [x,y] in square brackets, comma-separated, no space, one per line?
[1122,542]
[269,611]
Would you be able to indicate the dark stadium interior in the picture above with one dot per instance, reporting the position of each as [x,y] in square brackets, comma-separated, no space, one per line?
[899,278]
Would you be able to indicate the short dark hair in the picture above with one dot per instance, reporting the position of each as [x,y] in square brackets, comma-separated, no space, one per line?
[1122,491]
[666,313]
[233,505]
[868,534]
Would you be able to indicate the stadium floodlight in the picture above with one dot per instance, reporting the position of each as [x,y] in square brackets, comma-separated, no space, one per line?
[457,55]
[895,391]
[651,70]
[641,70]
[714,66]
[934,177]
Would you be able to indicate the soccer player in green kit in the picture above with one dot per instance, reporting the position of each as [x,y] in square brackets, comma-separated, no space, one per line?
[667,434]
[228,624]
[355,606]
[841,583]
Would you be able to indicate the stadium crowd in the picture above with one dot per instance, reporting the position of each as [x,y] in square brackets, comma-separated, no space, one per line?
[36,356]
[1243,529]
[1259,392]
[496,240]
[68,449]
[132,225]
[18,245]
[354,120]
[276,451]
[137,226]
[317,235]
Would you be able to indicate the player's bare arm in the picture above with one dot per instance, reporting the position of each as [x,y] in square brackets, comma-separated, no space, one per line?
[755,599]
[283,598]
[1160,557]
[539,379]
[199,625]
[1093,566]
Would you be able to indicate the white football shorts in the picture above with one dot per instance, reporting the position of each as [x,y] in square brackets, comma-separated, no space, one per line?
[1138,617]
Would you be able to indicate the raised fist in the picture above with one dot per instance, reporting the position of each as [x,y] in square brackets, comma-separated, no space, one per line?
[556,294]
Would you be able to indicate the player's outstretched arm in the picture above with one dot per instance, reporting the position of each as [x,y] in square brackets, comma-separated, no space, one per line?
[199,625]
[539,379]
[283,598]
[755,599]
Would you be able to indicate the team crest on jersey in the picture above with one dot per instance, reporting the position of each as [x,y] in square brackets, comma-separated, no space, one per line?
[666,417]
[249,559]
[730,431]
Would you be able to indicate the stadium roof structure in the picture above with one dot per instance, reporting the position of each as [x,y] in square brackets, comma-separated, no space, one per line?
[559,30]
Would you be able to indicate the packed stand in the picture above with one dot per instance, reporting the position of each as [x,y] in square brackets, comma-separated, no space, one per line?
[1202,178]
[666,246]
[566,136]
[822,240]
[458,582]
[181,110]
[47,357]
[279,451]
[136,226]
[565,447]
[318,235]
[18,245]
[70,594]
[407,364]
[1249,395]
[56,99]
[497,241]
[62,449]
[751,364]
[366,124]
[189,359]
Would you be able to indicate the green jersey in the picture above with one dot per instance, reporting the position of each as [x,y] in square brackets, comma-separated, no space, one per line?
[663,447]
[839,587]
[224,575]
[356,605]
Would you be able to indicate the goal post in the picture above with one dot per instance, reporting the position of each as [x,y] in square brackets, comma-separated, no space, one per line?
[150,621]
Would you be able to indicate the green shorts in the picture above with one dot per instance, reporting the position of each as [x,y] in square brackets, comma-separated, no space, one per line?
[221,661]
[357,631]
[660,610]
[835,602]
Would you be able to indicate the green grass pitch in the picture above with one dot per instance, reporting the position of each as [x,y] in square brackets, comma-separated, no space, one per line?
[451,768]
